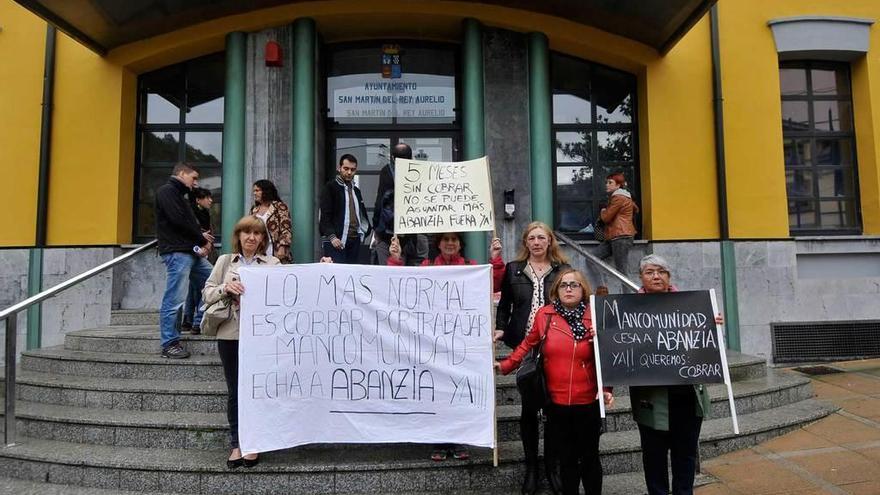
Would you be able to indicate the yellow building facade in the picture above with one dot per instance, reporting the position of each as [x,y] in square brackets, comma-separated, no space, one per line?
[787,244]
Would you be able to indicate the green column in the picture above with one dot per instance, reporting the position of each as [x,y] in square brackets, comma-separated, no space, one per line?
[302,175]
[234,134]
[35,286]
[731,303]
[540,141]
[473,127]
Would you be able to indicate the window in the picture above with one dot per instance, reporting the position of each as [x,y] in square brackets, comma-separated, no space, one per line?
[180,118]
[819,148]
[594,131]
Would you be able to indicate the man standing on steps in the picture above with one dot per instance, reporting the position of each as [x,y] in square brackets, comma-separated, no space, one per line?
[414,248]
[183,248]
[343,224]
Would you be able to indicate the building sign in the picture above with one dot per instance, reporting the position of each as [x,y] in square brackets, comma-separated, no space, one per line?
[372,96]
[333,353]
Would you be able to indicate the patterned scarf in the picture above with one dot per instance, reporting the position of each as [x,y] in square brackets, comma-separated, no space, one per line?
[574,318]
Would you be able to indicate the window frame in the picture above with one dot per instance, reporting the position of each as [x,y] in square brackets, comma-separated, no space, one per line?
[181,127]
[852,198]
[603,167]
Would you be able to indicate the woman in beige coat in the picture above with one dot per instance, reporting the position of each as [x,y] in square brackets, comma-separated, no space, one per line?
[249,239]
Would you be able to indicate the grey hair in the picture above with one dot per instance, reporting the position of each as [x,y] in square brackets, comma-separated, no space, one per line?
[653,259]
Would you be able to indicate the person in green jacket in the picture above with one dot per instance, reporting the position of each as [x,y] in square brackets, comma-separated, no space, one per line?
[669,417]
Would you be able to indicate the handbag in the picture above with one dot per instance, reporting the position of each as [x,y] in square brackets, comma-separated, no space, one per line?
[599,230]
[215,315]
[530,379]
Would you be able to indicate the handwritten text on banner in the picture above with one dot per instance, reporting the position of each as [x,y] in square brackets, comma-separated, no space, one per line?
[442,197]
[334,353]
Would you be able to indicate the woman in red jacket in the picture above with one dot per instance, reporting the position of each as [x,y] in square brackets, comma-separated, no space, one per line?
[570,371]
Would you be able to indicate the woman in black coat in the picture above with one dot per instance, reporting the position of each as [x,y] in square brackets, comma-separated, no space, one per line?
[525,288]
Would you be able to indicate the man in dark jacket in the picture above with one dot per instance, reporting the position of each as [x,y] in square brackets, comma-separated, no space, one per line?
[183,247]
[414,247]
[344,222]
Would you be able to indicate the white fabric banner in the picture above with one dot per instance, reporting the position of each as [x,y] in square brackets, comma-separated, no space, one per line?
[333,353]
[433,197]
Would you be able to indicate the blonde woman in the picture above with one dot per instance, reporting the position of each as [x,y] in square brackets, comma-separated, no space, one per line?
[249,240]
[525,288]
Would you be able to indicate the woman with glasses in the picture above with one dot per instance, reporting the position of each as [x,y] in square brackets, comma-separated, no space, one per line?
[565,331]
[525,288]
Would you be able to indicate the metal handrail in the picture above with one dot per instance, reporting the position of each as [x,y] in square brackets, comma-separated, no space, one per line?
[10,314]
[605,266]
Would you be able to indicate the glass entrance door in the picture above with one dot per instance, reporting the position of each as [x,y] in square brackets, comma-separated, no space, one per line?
[373,151]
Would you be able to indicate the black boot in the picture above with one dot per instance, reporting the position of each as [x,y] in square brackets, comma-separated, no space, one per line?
[554,479]
[530,482]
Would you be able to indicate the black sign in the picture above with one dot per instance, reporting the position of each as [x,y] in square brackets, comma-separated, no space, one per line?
[658,339]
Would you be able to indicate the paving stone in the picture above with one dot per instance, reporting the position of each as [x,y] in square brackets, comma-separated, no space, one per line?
[221,484]
[130,401]
[95,399]
[170,481]
[65,475]
[100,435]
[307,483]
[139,481]
[266,484]
[100,477]
[371,481]
[164,402]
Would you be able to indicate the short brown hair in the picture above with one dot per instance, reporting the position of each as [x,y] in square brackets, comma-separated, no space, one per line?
[554,289]
[249,224]
[183,167]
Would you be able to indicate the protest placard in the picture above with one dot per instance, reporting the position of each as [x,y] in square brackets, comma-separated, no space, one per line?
[431,197]
[333,353]
[659,339]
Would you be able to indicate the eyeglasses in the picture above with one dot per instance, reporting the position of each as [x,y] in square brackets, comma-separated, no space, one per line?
[651,273]
[569,285]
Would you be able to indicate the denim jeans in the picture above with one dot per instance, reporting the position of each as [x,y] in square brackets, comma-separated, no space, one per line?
[193,301]
[181,269]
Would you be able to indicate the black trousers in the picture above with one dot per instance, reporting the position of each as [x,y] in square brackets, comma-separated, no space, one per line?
[681,443]
[228,350]
[529,422]
[580,425]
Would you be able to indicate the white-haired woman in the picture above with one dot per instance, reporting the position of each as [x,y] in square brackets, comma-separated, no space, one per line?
[669,417]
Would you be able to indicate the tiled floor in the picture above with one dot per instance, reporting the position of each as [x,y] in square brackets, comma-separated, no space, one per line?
[838,455]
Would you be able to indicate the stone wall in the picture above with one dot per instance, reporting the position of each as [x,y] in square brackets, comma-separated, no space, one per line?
[268,113]
[506,110]
[86,305]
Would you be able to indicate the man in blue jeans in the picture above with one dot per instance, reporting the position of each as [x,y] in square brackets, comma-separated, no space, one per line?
[183,248]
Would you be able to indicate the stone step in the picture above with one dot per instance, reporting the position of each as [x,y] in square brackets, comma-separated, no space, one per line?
[61,361]
[121,393]
[134,317]
[133,339]
[354,469]
[143,340]
[156,395]
[614,484]
[92,424]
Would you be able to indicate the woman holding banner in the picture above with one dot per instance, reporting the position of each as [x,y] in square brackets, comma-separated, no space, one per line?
[669,417]
[450,246]
[564,331]
[249,240]
[525,288]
